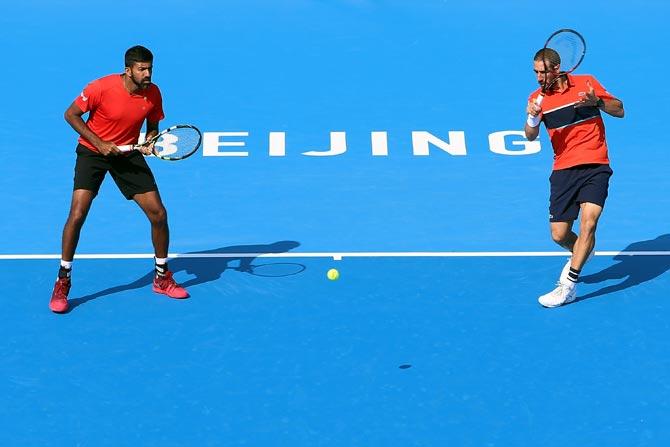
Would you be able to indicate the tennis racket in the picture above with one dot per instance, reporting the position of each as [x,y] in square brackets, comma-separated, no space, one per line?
[570,47]
[174,143]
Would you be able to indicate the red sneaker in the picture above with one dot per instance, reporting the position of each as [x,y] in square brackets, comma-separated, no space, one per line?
[58,301]
[167,286]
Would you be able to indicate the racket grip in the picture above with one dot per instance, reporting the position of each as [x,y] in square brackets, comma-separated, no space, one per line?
[534,121]
[126,147]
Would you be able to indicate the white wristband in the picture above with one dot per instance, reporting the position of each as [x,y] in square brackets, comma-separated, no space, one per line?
[533,121]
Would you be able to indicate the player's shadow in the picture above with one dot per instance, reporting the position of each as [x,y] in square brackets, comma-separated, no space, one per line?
[206,266]
[634,270]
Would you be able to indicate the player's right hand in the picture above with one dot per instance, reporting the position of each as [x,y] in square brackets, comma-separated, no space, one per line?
[108,148]
[533,109]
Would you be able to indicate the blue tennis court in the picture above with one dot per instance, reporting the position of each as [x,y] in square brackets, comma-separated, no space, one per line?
[380,138]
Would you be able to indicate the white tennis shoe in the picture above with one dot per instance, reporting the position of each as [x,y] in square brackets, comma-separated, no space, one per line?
[562,294]
[566,268]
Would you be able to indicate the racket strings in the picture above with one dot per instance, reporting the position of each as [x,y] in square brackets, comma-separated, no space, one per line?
[570,48]
[178,143]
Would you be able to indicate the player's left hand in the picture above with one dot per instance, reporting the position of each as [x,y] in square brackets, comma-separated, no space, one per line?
[147,149]
[589,99]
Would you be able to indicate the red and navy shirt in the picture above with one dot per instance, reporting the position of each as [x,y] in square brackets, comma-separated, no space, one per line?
[115,114]
[577,134]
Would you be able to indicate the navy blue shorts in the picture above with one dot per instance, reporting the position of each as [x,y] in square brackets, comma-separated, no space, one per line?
[130,172]
[574,186]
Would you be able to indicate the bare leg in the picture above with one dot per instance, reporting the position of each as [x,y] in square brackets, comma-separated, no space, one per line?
[562,234]
[151,204]
[79,207]
[587,234]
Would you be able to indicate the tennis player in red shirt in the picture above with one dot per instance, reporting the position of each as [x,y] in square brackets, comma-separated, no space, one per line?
[117,107]
[571,112]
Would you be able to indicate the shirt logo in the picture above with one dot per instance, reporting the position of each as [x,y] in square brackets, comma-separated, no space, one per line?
[83,97]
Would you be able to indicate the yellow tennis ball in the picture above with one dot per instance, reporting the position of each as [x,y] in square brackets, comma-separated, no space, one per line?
[333,274]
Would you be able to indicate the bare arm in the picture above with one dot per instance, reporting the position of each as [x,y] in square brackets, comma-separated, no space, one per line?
[612,107]
[152,131]
[531,132]
[73,116]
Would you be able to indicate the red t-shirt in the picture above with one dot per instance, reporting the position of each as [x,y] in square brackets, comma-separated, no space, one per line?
[115,114]
[577,134]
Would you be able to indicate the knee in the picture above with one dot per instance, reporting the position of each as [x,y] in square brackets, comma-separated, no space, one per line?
[559,235]
[158,216]
[77,216]
[588,225]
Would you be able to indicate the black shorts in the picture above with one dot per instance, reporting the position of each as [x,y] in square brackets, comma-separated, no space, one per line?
[130,172]
[574,186]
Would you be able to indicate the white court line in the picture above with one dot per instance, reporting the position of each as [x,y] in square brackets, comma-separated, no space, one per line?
[339,255]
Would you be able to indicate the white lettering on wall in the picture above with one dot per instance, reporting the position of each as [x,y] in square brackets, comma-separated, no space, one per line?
[497,143]
[277,144]
[421,141]
[380,143]
[212,144]
[504,142]
[338,146]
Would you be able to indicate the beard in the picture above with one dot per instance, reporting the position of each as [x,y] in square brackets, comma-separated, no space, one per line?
[141,82]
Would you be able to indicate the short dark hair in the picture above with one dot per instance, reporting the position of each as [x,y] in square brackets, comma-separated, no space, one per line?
[548,56]
[138,54]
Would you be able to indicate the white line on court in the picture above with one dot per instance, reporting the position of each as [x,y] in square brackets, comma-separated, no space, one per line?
[338,255]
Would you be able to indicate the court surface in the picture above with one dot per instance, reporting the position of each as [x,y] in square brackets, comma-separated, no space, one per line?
[378,138]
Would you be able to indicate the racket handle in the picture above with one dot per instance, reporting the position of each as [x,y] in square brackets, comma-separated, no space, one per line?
[126,147]
[534,121]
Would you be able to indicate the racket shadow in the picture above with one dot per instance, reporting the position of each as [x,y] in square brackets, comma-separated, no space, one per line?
[206,269]
[634,270]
